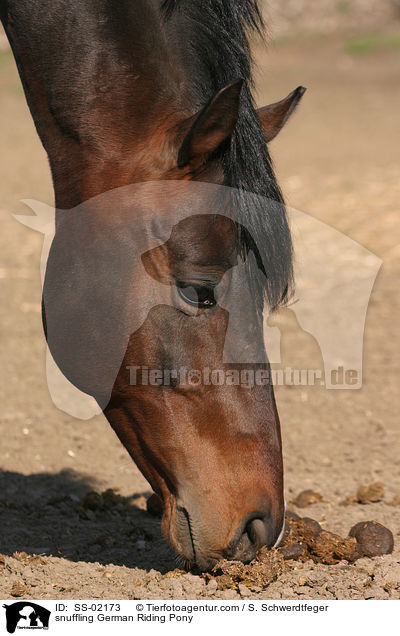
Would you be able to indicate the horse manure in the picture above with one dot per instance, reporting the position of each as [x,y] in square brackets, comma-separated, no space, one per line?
[373,538]
[92,501]
[294,551]
[366,494]
[225,582]
[95,501]
[371,493]
[291,515]
[19,589]
[20,556]
[307,498]
[111,498]
[23,557]
[262,571]
[299,531]
[36,559]
[174,574]
[330,548]
[305,539]
[311,528]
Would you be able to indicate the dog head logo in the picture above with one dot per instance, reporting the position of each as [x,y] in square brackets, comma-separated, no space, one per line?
[26,615]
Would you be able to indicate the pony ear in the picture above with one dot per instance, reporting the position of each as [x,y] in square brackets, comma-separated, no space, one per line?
[206,130]
[275,116]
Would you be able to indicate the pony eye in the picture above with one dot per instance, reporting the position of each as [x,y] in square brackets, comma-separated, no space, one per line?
[199,296]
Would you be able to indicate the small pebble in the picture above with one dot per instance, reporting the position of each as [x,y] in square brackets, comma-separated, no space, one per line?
[140,544]
[212,586]
[244,590]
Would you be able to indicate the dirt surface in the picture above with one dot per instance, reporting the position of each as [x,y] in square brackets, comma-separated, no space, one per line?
[325,16]
[338,159]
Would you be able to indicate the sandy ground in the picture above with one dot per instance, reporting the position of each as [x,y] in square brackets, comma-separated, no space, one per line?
[338,160]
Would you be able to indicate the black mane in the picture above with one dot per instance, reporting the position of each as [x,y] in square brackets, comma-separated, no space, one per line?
[214,41]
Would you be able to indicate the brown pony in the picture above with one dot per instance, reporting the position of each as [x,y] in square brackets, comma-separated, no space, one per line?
[171,233]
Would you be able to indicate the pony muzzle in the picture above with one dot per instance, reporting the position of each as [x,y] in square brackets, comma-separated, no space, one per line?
[203,546]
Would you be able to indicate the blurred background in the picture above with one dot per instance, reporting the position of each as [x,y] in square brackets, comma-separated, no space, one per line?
[328,16]
[338,160]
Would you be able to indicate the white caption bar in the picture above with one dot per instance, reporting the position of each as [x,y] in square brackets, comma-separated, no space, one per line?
[168,617]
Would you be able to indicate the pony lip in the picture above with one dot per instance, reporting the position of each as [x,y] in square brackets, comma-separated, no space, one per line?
[182,521]
[177,530]
[184,538]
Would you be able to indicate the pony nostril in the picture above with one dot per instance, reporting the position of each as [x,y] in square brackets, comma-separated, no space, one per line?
[252,534]
[257,532]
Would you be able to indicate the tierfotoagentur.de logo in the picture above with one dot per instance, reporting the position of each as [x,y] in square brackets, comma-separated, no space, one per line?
[26,615]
